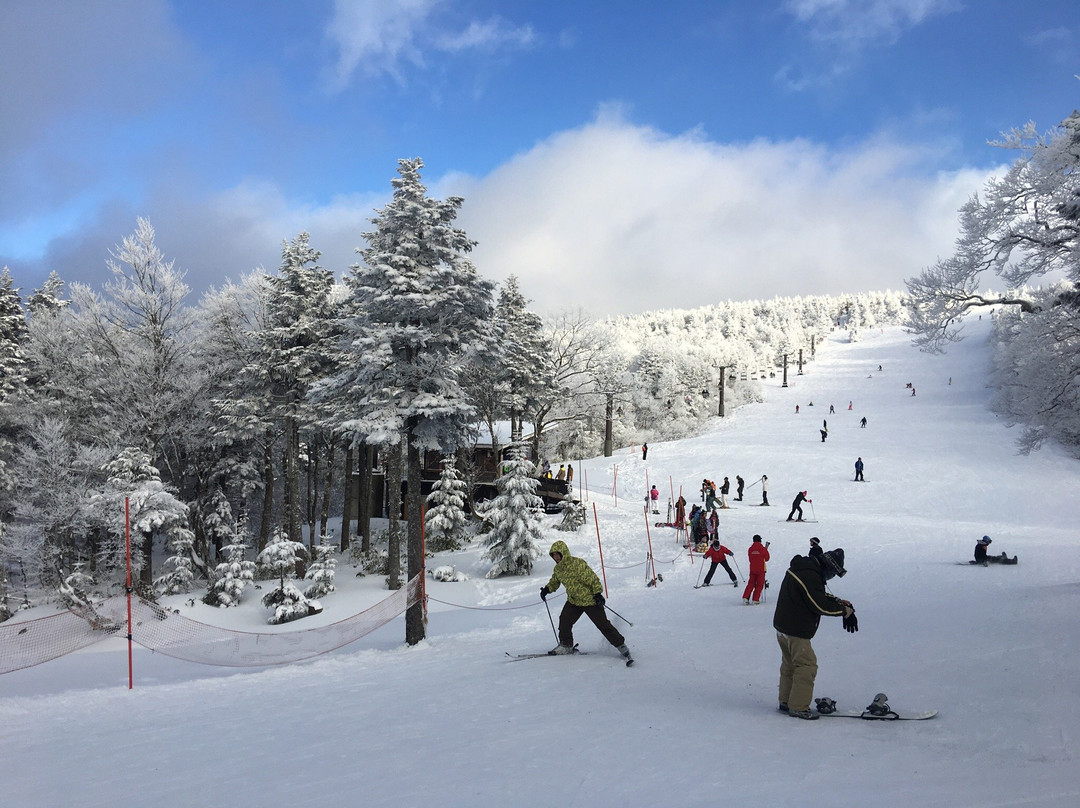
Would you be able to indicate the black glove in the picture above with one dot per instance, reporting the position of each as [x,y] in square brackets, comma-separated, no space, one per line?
[598,599]
[851,623]
[544,592]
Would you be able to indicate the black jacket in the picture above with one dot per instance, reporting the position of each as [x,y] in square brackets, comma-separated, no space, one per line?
[803,599]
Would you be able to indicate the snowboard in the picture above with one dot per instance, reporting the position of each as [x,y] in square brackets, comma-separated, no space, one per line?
[878,710]
[892,716]
[799,521]
[1006,561]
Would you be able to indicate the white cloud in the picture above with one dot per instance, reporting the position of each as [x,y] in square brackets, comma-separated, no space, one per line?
[380,36]
[618,218]
[860,22]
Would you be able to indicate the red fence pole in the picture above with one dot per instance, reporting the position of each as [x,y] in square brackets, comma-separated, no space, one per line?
[127,542]
[603,572]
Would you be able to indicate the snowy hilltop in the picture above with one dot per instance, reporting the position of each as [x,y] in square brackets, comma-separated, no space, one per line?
[454,722]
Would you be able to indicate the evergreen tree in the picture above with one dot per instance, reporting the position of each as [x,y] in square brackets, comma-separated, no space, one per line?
[513,542]
[445,520]
[416,313]
[231,577]
[321,571]
[181,573]
[573,514]
[13,372]
[49,298]
[280,558]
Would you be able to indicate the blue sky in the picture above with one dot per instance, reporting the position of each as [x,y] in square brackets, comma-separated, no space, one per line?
[615,156]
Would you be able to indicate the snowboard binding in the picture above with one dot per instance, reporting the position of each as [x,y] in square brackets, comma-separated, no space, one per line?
[879,708]
[825,706]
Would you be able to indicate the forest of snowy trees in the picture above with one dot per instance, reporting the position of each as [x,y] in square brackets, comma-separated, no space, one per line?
[249,417]
[1023,229]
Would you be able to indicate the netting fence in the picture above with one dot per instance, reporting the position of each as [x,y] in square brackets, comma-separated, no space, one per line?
[162,630]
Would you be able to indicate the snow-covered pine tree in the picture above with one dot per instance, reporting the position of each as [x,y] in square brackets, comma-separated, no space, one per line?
[417,312]
[445,520]
[513,542]
[13,371]
[153,509]
[522,366]
[181,569]
[573,513]
[321,571]
[280,558]
[231,577]
[49,297]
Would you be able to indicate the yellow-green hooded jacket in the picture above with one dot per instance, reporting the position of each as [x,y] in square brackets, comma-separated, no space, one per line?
[582,584]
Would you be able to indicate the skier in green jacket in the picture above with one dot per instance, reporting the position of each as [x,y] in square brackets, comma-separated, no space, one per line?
[584,595]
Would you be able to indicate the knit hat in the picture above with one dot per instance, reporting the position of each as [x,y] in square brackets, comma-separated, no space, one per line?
[815,541]
[757,537]
[716,545]
[832,564]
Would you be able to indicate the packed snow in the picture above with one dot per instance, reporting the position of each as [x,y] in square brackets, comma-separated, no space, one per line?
[455,722]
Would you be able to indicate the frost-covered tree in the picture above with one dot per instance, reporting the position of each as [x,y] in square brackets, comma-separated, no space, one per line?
[1025,226]
[13,371]
[153,511]
[49,298]
[417,312]
[520,366]
[573,513]
[321,571]
[280,558]
[229,579]
[75,590]
[513,542]
[181,571]
[445,519]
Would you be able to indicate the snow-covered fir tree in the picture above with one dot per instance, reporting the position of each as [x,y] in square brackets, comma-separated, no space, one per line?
[321,571]
[229,579]
[416,314]
[279,558]
[180,567]
[573,513]
[513,542]
[49,298]
[445,519]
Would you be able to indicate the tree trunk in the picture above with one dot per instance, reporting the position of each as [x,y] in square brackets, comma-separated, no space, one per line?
[393,489]
[363,518]
[347,507]
[324,508]
[312,498]
[293,522]
[266,517]
[414,615]
[146,574]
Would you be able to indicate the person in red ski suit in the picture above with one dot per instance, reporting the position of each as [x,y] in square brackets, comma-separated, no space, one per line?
[755,582]
[718,554]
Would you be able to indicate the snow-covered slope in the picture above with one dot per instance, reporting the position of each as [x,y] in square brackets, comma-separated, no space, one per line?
[453,723]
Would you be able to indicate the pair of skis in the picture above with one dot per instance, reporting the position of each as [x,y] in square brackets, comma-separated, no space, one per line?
[575,652]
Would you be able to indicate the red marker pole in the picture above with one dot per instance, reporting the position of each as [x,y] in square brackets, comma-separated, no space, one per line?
[603,573]
[127,541]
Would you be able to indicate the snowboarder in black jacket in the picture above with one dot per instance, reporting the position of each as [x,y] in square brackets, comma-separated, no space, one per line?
[799,607]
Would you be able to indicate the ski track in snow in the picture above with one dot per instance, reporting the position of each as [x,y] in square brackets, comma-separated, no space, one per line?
[693,723]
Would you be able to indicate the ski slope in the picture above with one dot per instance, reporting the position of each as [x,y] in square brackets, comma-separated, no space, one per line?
[453,723]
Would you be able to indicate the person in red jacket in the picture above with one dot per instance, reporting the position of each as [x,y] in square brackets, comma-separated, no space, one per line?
[718,554]
[755,582]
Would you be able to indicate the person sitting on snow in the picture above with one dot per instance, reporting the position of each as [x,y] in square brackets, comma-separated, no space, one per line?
[981,556]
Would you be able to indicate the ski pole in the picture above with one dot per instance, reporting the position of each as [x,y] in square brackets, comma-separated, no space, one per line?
[618,615]
[737,567]
[552,620]
[812,513]
[699,574]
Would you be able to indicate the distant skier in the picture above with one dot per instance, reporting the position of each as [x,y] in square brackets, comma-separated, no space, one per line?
[824,434]
[739,484]
[562,472]
[832,410]
[718,554]
[755,580]
[796,409]
[862,423]
[725,487]
[796,506]
[654,495]
[764,489]
[583,596]
[680,512]
[799,607]
[569,473]
[644,450]
[858,471]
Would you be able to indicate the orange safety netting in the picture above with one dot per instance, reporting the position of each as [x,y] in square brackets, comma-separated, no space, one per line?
[32,642]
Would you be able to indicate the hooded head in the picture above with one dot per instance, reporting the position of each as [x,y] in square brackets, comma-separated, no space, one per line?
[560,548]
[832,564]
[985,540]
